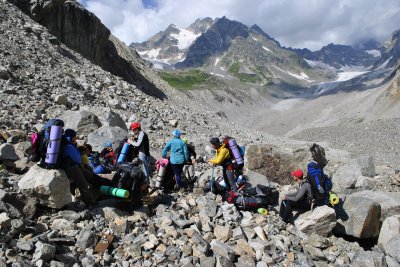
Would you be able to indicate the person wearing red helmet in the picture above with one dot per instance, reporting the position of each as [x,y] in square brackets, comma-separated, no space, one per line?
[299,200]
[140,140]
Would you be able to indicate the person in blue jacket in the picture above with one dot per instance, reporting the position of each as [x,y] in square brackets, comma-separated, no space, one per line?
[82,178]
[179,155]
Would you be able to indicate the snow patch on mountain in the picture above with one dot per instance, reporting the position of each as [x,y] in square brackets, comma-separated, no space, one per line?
[301,76]
[348,75]
[375,53]
[384,63]
[151,54]
[267,49]
[185,38]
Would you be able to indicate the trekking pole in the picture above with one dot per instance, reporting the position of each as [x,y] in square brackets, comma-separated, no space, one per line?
[212,180]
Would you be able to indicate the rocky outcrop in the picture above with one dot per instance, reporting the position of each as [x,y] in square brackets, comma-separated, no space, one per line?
[83,122]
[389,229]
[105,134]
[320,221]
[83,32]
[360,218]
[51,187]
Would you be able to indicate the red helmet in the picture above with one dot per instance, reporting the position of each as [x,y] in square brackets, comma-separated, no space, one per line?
[135,125]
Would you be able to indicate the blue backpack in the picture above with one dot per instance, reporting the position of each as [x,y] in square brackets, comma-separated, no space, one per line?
[320,183]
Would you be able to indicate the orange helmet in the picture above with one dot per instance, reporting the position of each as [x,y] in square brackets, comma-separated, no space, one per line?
[135,126]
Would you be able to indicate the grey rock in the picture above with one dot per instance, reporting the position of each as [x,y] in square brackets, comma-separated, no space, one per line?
[362,217]
[315,253]
[246,261]
[105,134]
[134,250]
[4,74]
[61,100]
[369,259]
[320,221]
[223,233]
[44,251]
[86,239]
[47,185]
[62,225]
[84,122]
[317,241]
[183,223]
[115,120]
[207,262]
[389,201]
[11,211]
[346,176]
[391,262]
[5,220]
[222,249]
[390,228]
[7,152]
[392,247]
[25,245]
[173,123]
[224,262]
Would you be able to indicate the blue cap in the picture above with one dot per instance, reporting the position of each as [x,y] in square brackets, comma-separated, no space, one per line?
[108,144]
[176,133]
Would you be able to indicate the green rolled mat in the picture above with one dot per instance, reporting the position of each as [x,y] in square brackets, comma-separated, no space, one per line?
[113,191]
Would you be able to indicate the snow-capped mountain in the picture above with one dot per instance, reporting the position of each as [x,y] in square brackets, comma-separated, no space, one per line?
[390,53]
[168,47]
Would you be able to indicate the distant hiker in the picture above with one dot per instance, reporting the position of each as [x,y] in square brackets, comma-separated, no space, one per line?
[140,140]
[82,178]
[223,159]
[188,168]
[179,154]
[299,200]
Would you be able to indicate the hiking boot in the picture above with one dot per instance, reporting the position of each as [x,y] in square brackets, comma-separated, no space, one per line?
[182,190]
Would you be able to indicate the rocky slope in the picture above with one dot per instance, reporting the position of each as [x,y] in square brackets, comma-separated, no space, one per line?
[41,224]
[83,32]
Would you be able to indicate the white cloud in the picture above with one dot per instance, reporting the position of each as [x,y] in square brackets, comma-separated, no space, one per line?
[296,23]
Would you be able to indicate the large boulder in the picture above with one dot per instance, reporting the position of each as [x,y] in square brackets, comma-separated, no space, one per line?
[112,119]
[392,247]
[51,187]
[273,162]
[346,176]
[7,152]
[359,217]
[389,201]
[84,122]
[105,134]
[320,221]
[369,259]
[390,228]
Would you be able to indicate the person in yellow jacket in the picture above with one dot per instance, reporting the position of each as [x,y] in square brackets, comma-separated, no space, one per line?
[223,158]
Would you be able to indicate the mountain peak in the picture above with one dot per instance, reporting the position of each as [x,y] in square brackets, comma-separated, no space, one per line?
[255,28]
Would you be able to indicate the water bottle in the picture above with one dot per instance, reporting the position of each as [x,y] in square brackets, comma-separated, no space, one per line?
[320,189]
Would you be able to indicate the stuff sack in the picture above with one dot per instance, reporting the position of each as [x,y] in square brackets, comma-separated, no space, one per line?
[47,145]
[253,198]
[318,155]
[321,184]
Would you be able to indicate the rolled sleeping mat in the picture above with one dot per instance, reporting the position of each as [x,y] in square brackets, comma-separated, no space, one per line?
[333,199]
[236,152]
[54,144]
[124,151]
[113,191]
[160,175]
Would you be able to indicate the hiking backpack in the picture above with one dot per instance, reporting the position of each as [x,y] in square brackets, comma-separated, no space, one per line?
[236,152]
[253,198]
[320,183]
[40,141]
[318,155]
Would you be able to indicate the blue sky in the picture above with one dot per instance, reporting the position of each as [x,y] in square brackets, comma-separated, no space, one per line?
[296,23]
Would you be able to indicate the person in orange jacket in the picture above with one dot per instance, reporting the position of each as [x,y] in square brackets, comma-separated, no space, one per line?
[223,158]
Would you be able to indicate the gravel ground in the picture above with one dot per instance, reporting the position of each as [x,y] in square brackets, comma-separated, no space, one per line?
[379,138]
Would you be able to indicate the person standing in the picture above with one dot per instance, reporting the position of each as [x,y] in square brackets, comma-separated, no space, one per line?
[141,142]
[179,155]
[223,159]
[188,168]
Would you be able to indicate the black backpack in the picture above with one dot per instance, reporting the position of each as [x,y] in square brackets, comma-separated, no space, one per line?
[318,155]
[320,184]
[40,140]
[253,198]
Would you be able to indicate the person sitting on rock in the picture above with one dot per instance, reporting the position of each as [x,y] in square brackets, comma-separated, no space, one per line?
[85,157]
[179,154]
[299,200]
[223,159]
[83,178]
[140,140]
[103,162]
[188,168]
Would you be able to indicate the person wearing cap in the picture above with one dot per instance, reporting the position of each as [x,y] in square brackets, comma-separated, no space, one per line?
[223,159]
[179,155]
[299,200]
[140,140]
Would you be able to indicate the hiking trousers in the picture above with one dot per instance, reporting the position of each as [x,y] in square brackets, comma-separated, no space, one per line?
[287,206]
[188,171]
[145,166]
[178,168]
[229,178]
